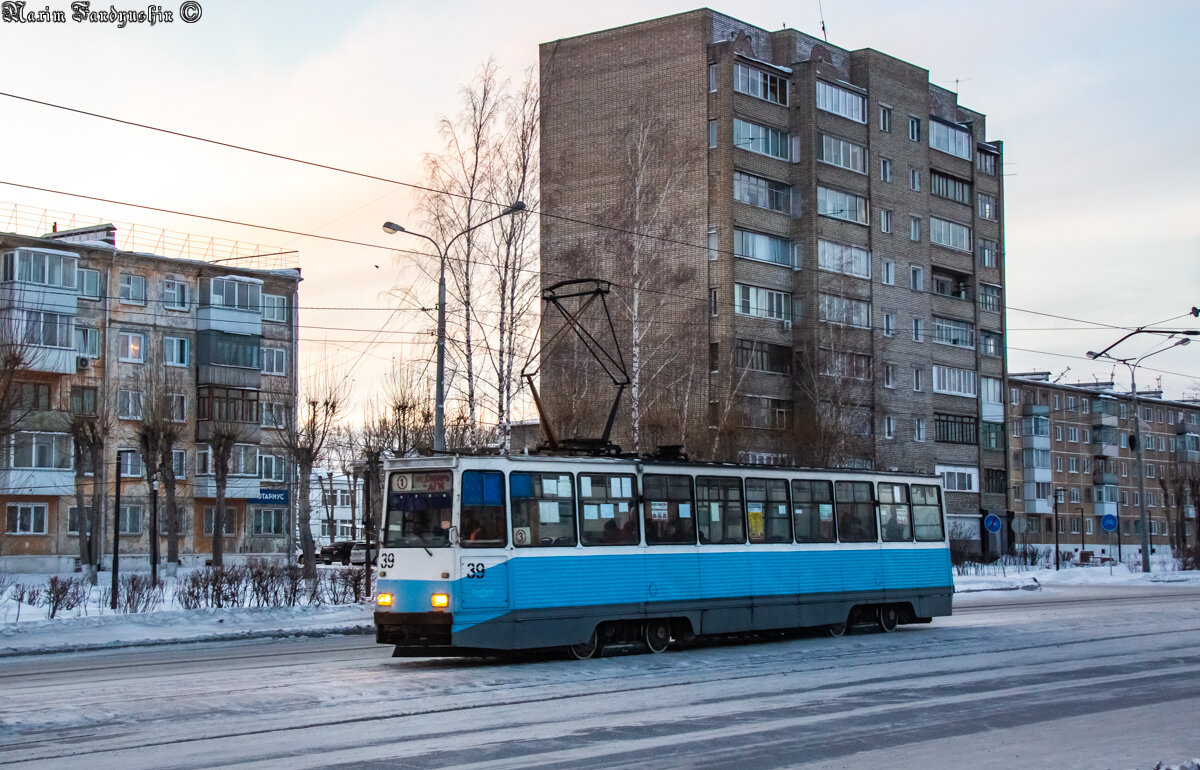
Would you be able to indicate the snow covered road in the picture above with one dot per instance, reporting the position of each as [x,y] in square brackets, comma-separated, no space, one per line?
[1070,676]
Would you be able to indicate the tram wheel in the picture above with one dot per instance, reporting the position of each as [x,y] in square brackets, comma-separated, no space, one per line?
[585,650]
[657,635]
[889,618]
[836,629]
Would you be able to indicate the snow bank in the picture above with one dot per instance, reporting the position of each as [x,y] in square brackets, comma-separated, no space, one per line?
[1032,579]
[175,626]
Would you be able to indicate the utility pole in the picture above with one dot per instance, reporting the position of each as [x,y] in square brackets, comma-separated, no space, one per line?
[1056,565]
[116,554]
[153,527]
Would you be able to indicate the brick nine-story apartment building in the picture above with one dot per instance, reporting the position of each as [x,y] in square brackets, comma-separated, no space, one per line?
[820,244]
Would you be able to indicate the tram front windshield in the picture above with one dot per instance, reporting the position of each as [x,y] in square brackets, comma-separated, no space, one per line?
[418,510]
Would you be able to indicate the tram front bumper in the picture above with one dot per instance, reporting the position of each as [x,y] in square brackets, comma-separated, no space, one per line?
[413,629]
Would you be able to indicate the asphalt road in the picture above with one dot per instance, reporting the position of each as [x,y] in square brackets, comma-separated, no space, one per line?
[1069,677]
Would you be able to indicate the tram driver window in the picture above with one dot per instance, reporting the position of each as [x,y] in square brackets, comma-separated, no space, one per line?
[767,511]
[927,513]
[609,510]
[543,509]
[720,516]
[812,510]
[483,524]
[894,519]
[667,512]
[855,512]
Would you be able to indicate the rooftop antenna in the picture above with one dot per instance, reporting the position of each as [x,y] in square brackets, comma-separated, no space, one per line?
[821,10]
[1064,374]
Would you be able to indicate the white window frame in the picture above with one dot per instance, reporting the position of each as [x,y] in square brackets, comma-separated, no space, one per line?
[952,235]
[132,289]
[130,404]
[844,258]
[126,340]
[841,101]
[274,361]
[838,204]
[35,512]
[177,351]
[176,294]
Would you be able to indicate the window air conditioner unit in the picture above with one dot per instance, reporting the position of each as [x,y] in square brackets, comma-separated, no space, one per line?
[82,362]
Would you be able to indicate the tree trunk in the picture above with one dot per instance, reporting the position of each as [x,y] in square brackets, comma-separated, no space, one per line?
[218,535]
[304,509]
[166,475]
[83,517]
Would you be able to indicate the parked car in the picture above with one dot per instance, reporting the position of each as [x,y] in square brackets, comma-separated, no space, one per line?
[339,552]
[358,554]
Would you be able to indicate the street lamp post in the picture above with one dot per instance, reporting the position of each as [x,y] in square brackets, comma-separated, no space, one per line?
[1132,364]
[1056,530]
[116,550]
[439,407]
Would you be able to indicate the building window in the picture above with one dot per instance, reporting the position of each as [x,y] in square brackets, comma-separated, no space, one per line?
[950,234]
[885,170]
[762,303]
[760,139]
[914,228]
[228,521]
[176,407]
[712,78]
[762,357]
[712,302]
[175,295]
[175,351]
[889,375]
[842,205]
[889,426]
[955,382]
[269,521]
[227,404]
[885,119]
[764,248]
[133,289]
[712,244]
[844,258]
[950,331]
[129,404]
[888,272]
[239,295]
[919,429]
[987,162]
[765,413]
[89,283]
[991,344]
[918,330]
[46,269]
[845,311]
[914,178]
[842,153]
[26,519]
[274,361]
[916,278]
[990,297]
[131,464]
[271,468]
[756,83]
[131,520]
[841,101]
[43,451]
[949,187]
[50,330]
[889,324]
[885,220]
[989,207]
[133,347]
[991,435]
[950,139]
[918,379]
[83,400]
[845,364]
[760,192]
[87,341]
[712,134]
[179,463]
[958,478]
[273,415]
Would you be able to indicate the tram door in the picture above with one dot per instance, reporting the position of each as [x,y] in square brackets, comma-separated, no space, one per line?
[483,582]
[482,571]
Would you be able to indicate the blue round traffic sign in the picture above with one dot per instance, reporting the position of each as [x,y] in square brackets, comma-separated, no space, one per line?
[1108,522]
[991,523]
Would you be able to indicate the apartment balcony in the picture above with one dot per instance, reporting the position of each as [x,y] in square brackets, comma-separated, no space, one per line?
[1038,505]
[228,319]
[237,487]
[1101,479]
[1189,511]
[229,376]
[51,360]
[249,433]
[1103,509]
[40,482]
[1037,474]
[991,412]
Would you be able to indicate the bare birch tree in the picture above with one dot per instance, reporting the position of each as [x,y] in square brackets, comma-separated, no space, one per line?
[91,423]
[224,437]
[159,433]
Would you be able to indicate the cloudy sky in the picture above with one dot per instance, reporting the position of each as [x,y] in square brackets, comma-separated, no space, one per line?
[1096,103]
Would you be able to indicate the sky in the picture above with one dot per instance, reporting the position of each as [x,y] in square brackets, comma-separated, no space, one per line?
[1096,103]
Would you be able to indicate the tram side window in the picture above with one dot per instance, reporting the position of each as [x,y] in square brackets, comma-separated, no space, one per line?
[721,516]
[855,511]
[543,509]
[894,518]
[668,510]
[483,524]
[609,510]
[812,510]
[767,511]
[927,513]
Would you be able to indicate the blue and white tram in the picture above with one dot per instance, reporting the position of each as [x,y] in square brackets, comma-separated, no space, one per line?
[481,554]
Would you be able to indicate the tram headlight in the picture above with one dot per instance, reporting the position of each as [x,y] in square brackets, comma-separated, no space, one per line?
[440,601]
[384,600]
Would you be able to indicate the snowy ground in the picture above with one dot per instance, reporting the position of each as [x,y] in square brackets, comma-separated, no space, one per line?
[1069,676]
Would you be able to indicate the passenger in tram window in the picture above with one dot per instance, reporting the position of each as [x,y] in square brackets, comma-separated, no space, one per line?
[483,524]
[608,503]
[668,510]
